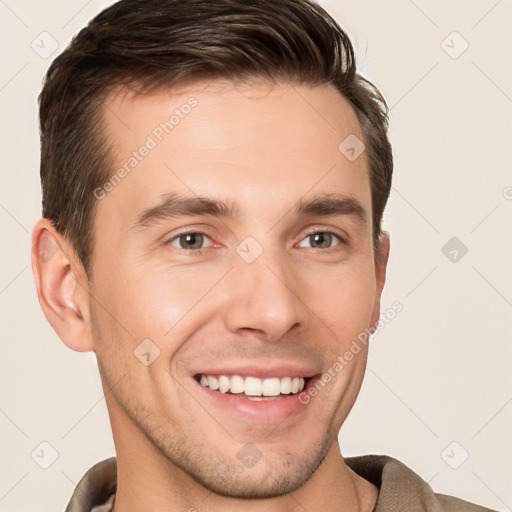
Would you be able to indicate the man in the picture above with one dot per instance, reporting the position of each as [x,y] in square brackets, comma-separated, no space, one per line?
[214,177]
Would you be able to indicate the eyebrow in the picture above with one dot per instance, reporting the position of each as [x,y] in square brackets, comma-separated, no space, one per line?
[173,205]
[325,205]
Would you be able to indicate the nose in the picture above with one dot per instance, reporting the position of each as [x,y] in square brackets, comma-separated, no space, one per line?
[263,297]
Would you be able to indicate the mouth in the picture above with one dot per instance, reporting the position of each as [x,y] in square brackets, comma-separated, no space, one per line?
[254,388]
[256,395]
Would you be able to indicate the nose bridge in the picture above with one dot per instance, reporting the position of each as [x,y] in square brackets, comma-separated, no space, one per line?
[261,293]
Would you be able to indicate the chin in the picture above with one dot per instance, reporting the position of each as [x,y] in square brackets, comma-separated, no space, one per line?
[260,479]
[268,481]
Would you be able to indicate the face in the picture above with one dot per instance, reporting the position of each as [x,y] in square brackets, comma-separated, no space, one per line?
[238,245]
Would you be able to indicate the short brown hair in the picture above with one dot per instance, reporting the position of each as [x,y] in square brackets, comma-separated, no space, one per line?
[161,43]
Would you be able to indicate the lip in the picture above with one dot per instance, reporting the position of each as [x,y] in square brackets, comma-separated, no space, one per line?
[265,411]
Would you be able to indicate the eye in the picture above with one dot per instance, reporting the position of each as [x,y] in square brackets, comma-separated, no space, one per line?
[189,241]
[321,239]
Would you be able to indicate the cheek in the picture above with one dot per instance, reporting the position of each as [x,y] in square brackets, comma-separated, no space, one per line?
[341,297]
[141,298]
[163,298]
[156,303]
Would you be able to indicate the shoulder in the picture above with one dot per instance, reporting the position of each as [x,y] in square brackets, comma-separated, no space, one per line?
[96,487]
[400,488]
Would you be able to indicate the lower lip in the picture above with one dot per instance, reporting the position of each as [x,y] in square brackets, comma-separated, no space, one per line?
[266,411]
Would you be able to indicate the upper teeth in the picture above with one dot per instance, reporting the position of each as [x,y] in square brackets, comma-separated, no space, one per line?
[252,386]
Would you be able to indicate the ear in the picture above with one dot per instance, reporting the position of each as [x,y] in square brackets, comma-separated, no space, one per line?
[380,275]
[62,286]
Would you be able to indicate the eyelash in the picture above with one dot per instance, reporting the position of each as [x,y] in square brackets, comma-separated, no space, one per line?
[308,234]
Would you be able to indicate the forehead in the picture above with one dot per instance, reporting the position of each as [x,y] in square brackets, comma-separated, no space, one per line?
[232,141]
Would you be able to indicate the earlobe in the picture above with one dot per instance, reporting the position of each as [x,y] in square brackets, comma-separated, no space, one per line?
[62,291]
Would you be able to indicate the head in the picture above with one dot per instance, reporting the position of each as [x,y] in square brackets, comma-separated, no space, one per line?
[214,178]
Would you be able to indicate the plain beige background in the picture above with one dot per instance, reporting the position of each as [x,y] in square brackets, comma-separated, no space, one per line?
[438,392]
